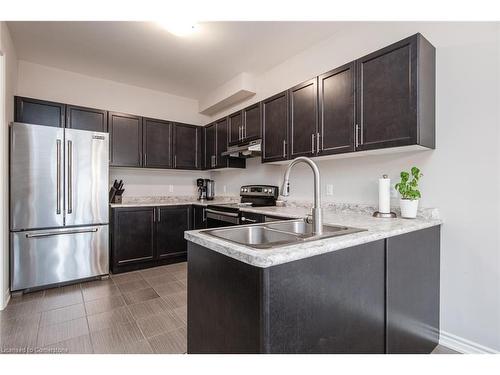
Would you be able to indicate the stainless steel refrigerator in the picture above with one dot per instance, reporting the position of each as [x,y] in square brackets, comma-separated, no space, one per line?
[58,205]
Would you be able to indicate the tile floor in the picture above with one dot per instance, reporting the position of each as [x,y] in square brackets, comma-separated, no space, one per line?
[137,312]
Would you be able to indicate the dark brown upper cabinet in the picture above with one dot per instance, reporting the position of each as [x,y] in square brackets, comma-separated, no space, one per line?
[216,138]
[82,118]
[245,125]
[187,146]
[235,128]
[171,223]
[126,140]
[303,124]
[336,111]
[210,146]
[39,112]
[396,96]
[252,122]
[275,128]
[221,143]
[157,143]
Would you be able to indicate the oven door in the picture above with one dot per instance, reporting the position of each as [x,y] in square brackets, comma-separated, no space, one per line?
[217,219]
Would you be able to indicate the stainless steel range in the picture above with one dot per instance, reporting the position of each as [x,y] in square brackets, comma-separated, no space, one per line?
[227,214]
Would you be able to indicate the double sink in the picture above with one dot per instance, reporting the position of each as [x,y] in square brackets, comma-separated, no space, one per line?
[277,234]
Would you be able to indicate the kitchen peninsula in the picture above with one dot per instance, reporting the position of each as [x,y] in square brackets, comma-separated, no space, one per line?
[373,291]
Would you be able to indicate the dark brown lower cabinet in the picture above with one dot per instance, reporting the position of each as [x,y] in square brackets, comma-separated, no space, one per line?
[171,223]
[132,237]
[199,217]
[377,297]
[143,237]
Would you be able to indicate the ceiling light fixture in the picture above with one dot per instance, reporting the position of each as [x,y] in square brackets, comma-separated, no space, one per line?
[179,27]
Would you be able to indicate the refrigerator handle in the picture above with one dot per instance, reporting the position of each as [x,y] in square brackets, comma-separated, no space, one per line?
[59,233]
[70,177]
[58,176]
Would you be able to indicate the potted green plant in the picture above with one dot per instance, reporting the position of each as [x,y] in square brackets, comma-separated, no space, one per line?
[410,195]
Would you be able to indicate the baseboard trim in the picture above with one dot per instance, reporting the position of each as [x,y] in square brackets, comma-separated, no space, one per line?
[5,300]
[463,345]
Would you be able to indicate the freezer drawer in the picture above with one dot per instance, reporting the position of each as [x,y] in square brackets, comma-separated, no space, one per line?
[45,257]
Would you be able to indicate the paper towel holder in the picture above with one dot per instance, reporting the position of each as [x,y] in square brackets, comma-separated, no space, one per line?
[385,215]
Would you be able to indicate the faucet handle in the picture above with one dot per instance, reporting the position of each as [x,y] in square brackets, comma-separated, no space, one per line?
[309,219]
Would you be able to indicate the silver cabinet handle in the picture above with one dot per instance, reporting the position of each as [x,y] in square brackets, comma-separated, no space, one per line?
[356,135]
[244,131]
[312,143]
[249,220]
[175,161]
[60,233]
[284,148]
[70,177]
[208,210]
[145,159]
[154,215]
[58,176]
[204,214]
[240,131]
[159,214]
[317,142]
[362,138]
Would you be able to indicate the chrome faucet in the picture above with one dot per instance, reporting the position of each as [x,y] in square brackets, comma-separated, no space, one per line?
[317,214]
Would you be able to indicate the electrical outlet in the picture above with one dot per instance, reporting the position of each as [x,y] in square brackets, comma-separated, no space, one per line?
[329,189]
[170,188]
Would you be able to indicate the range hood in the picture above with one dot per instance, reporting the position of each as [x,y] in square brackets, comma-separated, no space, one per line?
[247,150]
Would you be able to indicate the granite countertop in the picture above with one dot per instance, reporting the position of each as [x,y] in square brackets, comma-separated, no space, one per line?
[346,215]
[170,201]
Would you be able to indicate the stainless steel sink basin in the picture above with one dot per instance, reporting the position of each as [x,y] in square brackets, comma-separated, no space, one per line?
[303,228]
[254,236]
[277,234]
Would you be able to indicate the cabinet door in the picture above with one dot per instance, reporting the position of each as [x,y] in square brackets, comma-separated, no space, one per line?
[275,128]
[82,118]
[303,118]
[157,143]
[412,284]
[186,146]
[221,143]
[171,224]
[126,139]
[235,125]
[39,112]
[133,235]
[199,217]
[387,96]
[210,135]
[252,122]
[336,111]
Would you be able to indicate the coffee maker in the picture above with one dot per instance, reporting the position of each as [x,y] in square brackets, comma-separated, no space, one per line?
[205,188]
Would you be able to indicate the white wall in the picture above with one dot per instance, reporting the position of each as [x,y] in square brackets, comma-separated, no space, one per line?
[153,182]
[43,82]
[460,176]
[10,81]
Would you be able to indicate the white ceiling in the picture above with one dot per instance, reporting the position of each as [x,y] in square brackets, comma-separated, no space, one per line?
[145,55]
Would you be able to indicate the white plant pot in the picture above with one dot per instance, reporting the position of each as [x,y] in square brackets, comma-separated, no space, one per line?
[408,208]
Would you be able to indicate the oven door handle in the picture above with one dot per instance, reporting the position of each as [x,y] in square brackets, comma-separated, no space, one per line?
[222,213]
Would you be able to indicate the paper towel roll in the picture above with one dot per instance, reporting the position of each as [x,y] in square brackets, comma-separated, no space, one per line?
[384,195]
